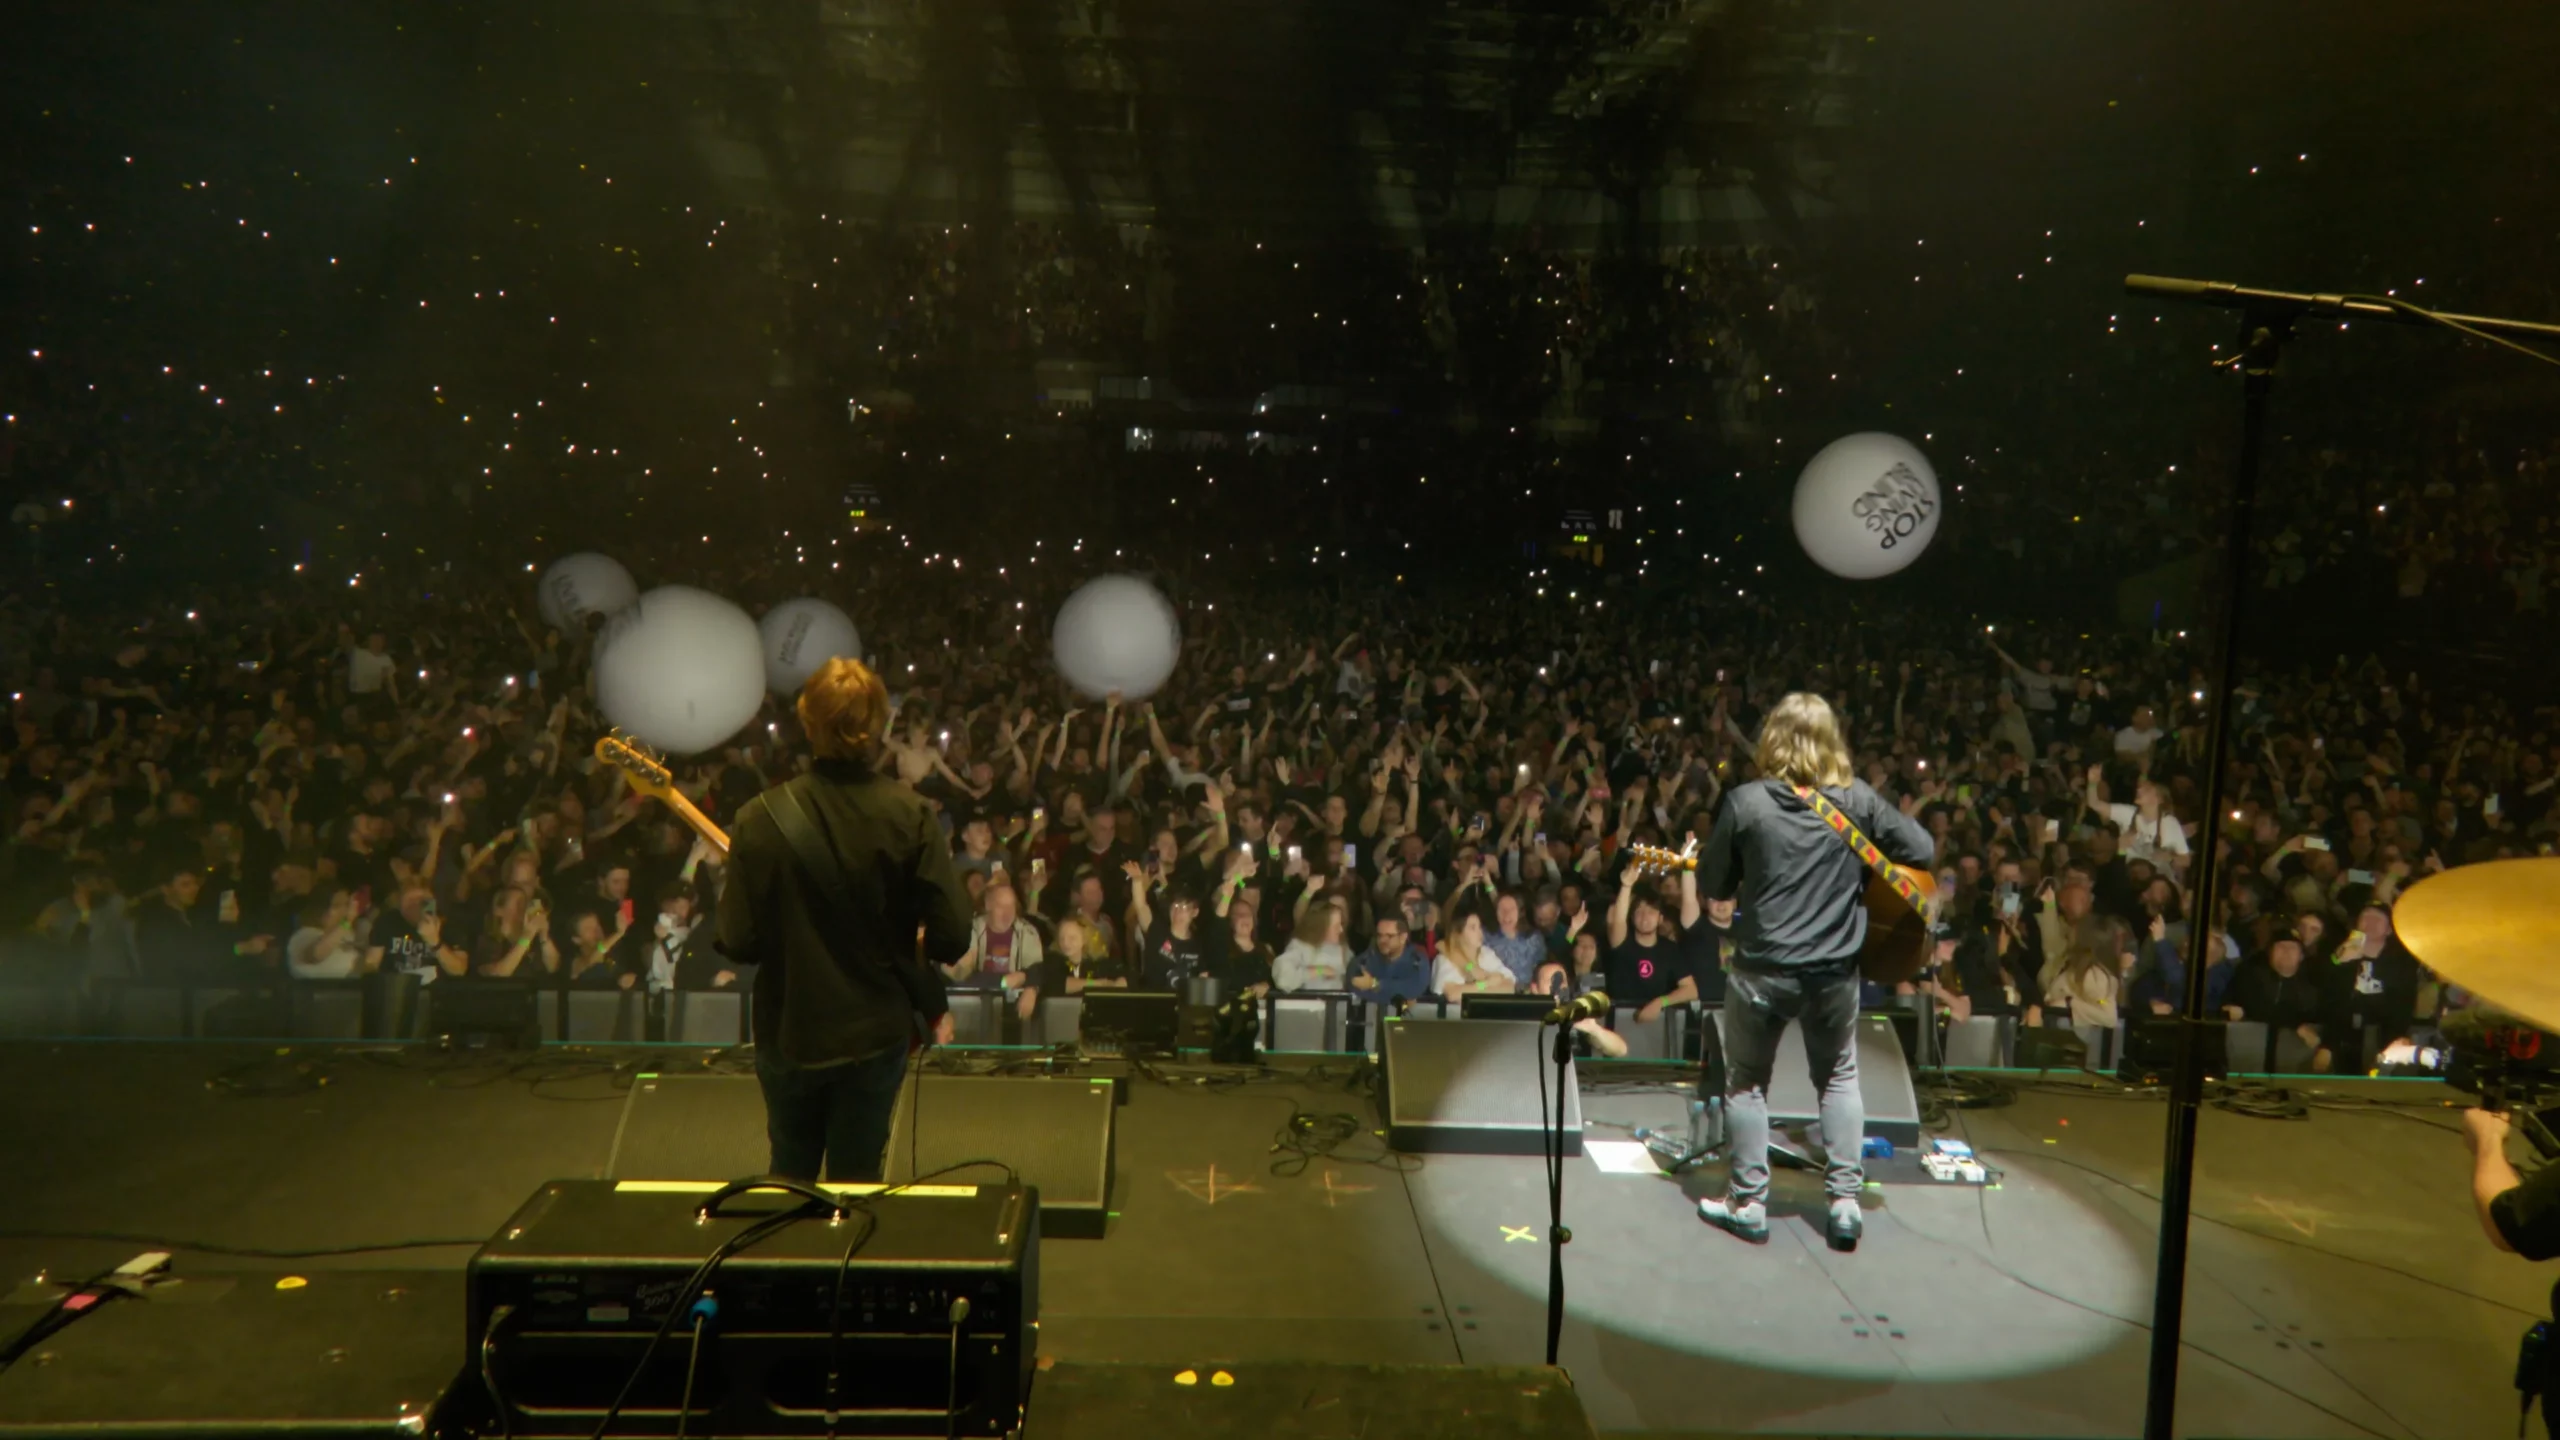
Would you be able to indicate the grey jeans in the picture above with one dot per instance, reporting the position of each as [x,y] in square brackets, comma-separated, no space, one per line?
[1757,1007]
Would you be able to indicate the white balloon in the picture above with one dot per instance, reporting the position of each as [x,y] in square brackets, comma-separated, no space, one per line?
[584,584]
[681,669]
[801,635]
[1117,633]
[1866,505]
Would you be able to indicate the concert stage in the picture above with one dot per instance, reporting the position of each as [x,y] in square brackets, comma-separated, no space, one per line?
[2340,1286]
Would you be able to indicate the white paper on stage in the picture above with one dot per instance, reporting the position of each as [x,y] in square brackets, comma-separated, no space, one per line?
[1621,1157]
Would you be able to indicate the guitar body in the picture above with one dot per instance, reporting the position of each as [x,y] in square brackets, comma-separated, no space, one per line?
[1898,942]
[1897,935]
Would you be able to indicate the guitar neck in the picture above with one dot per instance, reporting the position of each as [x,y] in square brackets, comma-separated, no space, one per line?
[701,823]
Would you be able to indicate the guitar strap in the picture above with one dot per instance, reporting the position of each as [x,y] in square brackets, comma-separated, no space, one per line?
[793,816]
[1862,847]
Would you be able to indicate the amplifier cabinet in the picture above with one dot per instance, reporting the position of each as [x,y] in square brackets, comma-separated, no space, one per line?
[588,1270]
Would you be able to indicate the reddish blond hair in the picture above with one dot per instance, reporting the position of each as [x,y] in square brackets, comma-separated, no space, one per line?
[844,709]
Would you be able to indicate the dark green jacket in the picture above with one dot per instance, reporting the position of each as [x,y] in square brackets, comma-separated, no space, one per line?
[826,998]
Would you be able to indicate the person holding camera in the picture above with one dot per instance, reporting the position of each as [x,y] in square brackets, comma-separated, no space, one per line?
[2522,1217]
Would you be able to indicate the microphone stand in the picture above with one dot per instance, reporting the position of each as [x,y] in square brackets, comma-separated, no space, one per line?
[1557,1235]
[2266,323]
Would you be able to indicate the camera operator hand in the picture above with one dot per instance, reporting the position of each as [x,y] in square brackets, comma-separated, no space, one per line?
[2518,1220]
[2486,1131]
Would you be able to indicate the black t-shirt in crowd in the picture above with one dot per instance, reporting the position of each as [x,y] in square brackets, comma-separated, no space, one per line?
[1439,705]
[404,950]
[1640,973]
[2284,1001]
[1166,960]
[1236,970]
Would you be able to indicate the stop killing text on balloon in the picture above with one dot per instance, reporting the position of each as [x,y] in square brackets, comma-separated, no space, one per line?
[1897,504]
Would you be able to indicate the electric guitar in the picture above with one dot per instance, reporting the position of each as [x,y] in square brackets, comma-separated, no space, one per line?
[1897,947]
[648,775]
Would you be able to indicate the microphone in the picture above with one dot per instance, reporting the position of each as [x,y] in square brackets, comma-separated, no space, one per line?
[1589,1007]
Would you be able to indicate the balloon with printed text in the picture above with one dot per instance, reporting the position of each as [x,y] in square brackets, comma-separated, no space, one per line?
[1866,505]
[801,635]
[584,584]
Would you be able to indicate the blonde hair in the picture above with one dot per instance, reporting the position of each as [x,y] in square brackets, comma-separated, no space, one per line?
[844,709]
[1081,951]
[1316,925]
[1800,743]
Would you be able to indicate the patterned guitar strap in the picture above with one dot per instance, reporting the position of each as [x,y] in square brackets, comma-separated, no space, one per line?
[1863,848]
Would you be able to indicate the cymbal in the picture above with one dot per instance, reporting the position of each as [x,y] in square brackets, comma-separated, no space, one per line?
[2492,929]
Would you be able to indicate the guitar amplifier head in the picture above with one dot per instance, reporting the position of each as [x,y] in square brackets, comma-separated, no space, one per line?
[565,1298]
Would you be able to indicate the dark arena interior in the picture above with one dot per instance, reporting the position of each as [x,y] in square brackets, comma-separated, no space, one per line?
[1104,718]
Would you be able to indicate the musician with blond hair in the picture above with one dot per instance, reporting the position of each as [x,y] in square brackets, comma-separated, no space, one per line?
[833,877]
[1798,929]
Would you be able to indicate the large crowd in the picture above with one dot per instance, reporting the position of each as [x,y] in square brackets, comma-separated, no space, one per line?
[1348,789]
[221,769]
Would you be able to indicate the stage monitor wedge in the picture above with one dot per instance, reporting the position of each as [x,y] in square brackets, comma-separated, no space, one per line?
[1884,1080]
[1059,1135]
[1472,1088]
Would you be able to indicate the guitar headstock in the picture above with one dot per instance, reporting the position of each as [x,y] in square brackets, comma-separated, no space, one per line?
[1655,860]
[641,767]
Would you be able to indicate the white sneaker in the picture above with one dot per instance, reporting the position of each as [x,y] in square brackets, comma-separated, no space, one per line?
[1749,1222]
[1848,1222]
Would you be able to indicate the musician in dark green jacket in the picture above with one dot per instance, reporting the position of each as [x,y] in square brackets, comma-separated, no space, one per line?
[841,991]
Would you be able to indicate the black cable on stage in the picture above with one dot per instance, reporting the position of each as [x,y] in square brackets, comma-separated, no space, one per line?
[59,1316]
[692,1367]
[2386,1268]
[684,1298]
[844,1268]
[1989,1255]
[2256,1099]
[1307,1136]
[2084,1306]
[489,1369]
[1943,1092]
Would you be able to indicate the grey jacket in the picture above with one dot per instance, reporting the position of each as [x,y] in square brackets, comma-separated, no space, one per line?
[1797,884]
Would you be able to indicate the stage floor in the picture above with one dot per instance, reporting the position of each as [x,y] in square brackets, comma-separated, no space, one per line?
[2339,1285]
